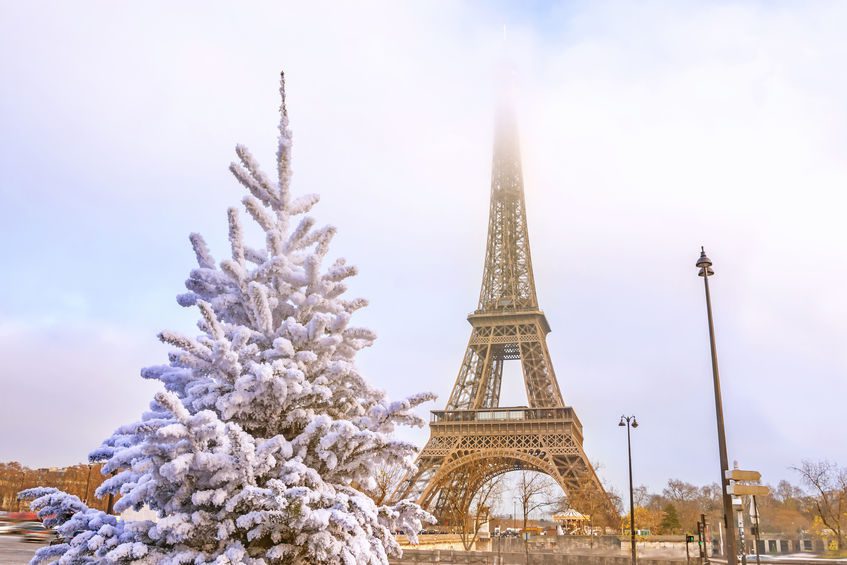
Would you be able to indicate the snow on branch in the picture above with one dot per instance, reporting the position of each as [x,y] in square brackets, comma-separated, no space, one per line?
[253,452]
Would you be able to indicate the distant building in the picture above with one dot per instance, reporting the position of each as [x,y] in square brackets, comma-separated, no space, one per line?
[771,543]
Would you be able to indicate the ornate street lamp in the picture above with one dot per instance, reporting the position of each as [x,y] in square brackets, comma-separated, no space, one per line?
[630,421]
[704,264]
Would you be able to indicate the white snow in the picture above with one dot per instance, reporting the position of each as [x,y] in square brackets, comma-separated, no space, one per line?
[257,448]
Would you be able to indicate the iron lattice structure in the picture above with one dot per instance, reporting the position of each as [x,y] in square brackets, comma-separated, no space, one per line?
[474,439]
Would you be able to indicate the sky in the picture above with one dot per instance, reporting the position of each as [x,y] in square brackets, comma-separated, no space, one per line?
[648,129]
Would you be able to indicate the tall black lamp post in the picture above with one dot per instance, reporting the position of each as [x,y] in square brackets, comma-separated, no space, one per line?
[630,421]
[704,264]
[87,485]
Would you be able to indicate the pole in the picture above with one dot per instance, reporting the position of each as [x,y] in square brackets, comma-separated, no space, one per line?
[499,546]
[687,554]
[514,517]
[756,514]
[20,488]
[111,503]
[705,539]
[742,540]
[525,533]
[631,498]
[730,553]
[87,484]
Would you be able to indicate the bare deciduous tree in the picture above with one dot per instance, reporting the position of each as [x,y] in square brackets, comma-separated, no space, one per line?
[829,498]
[785,492]
[640,495]
[534,491]
[488,496]
[601,507]
[680,491]
[471,508]
[690,501]
[387,480]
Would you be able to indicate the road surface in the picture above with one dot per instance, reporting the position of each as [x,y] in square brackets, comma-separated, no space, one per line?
[14,551]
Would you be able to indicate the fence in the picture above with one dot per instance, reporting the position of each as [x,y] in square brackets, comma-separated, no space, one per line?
[451,557]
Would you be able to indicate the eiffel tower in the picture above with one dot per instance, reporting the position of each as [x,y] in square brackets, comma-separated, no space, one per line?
[474,438]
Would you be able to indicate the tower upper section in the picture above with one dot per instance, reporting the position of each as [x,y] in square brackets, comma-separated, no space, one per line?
[508,283]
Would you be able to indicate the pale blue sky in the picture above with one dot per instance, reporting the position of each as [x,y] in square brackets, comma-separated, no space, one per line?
[648,129]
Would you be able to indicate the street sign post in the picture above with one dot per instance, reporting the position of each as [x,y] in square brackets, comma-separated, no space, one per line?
[741,540]
[755,508]
[737,490]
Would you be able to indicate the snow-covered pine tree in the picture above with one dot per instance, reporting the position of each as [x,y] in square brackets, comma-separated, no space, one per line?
[256,450]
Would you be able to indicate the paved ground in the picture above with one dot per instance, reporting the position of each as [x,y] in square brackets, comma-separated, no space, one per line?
[13,551]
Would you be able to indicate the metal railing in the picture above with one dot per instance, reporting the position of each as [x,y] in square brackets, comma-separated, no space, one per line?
[502,414]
